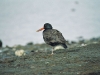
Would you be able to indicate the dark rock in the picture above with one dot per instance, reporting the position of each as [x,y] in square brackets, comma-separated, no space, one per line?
[94,73]
[0,43]
[7,60]
[30,43]
[73,42]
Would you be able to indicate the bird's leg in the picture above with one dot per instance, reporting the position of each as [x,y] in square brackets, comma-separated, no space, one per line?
[52,51]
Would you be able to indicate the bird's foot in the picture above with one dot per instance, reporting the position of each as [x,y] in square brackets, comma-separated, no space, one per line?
[52,53]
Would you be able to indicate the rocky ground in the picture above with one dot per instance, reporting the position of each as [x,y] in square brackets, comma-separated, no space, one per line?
[36,59]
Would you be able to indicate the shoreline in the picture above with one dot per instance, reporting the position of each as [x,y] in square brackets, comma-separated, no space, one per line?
[78,59]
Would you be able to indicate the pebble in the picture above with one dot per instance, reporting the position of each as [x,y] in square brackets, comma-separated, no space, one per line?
[32,67]
[46,62]
[20,52]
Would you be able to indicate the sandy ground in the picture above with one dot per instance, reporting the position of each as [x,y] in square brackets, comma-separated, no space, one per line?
[76,60]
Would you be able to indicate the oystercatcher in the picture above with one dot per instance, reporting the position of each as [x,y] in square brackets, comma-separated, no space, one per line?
[52,36]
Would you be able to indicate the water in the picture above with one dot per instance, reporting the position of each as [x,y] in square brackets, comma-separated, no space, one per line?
[19,20]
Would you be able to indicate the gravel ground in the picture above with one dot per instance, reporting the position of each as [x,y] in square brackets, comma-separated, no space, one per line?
[37,60]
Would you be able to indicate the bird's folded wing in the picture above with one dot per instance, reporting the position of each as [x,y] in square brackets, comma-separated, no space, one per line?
[53,36]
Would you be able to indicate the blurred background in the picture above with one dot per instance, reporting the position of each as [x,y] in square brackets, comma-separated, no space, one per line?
[19,19]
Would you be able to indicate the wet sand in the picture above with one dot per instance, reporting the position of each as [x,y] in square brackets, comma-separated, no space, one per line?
[76,60]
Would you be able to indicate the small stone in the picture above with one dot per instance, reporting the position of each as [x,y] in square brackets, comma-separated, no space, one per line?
[32,67]
[80,65]
[83,44]
[20,52]
[78,72]
[64,57]
[46,62]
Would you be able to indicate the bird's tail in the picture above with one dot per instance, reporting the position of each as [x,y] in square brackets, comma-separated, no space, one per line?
[64,45]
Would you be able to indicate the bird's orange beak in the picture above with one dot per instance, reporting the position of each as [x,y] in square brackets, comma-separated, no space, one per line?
[40,29]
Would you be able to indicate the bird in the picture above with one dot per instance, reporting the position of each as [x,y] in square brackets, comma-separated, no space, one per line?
[52,37]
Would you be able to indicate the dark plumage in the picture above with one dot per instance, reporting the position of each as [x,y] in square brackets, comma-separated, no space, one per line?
[52,36]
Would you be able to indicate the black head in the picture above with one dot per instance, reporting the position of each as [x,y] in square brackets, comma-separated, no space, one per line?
[47,26]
